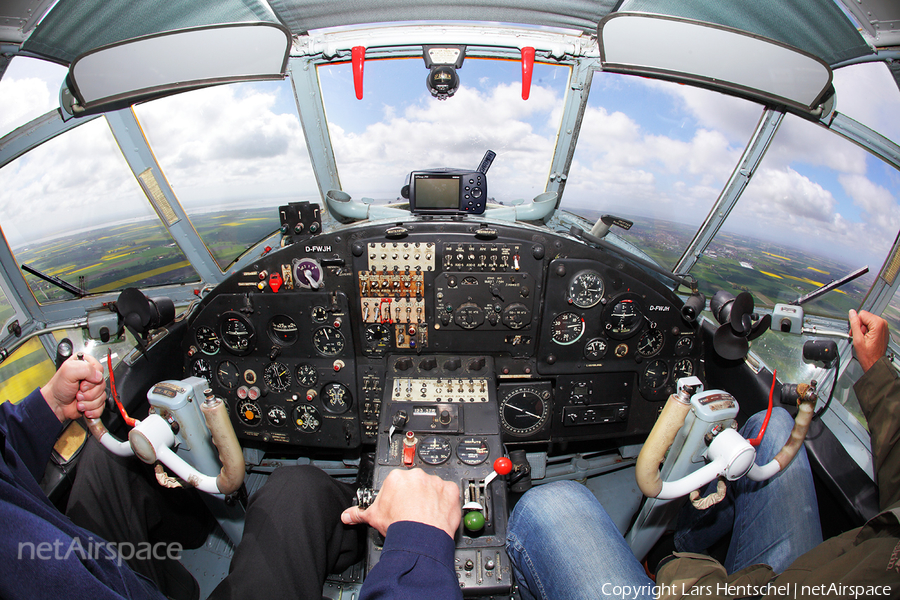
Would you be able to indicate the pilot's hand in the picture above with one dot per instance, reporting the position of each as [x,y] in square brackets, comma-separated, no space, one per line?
[411,496]
[870,337]
[77,388]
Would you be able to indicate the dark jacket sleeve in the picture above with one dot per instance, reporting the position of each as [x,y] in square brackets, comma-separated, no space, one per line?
[416,563]
[31,429]
[878,391]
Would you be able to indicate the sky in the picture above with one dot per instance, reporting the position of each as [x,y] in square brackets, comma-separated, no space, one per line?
[645,148]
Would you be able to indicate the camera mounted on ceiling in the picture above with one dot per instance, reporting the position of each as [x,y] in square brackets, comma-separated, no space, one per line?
[442,63]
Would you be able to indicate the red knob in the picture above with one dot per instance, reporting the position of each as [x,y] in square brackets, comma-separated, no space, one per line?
[502,465]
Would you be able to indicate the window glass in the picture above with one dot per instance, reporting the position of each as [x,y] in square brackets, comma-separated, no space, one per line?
[892,315]
[656,153]
[398,127]
[233,154]
[6,309]
[868,93]
[27,368]
[29,88]
[72,209]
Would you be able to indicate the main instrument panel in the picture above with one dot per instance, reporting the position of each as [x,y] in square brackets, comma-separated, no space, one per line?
[309,342]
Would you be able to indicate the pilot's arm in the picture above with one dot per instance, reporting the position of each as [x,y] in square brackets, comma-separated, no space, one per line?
[418,514]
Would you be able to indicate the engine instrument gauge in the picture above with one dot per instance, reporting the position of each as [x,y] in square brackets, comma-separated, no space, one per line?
[624,318]
[227,374]
[434,450]
[307,418]
[277,416]
[201,368]
[524,411]
[237,333]
[307,375]
[336,398]
[378,338]
[472,451]
[683,346]
[566,328]
[586,289]
[328,341]
[283,330]
[595,349]
[651,342]
[207,340]
[319,314]
[655,375]
[683,368]
[277,377]
[249,414]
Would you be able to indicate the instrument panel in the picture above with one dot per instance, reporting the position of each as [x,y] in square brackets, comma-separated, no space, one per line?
[306,343]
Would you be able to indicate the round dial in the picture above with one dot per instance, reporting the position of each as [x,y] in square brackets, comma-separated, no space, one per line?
[624,318]
[655,375]
[277,377]
[328,341]
[378,338]
[248,413]
[651,342]
[227,374]
[434,450]
[283,330]
[516,316]
[201,368]
[566,328]
[683,368]
[523,411]
[277,416]
[586,289]
[595,349]
[336,398]
[307,375]
[683,346]
[472,451]
[319,314]
[307,418]
[237,333]
[207,340]
[469,315]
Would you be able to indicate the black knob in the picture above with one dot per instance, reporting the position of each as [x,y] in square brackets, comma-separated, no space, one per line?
[453,364]
[476,364]
[403,363]
[428,364]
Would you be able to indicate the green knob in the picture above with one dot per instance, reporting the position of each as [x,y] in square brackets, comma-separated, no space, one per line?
[474,520]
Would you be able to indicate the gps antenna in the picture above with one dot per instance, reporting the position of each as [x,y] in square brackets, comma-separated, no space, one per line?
[489,157]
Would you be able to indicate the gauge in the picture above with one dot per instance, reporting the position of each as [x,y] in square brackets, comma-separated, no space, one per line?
[434,450]
[319,314]
[336,398]
[469,315]
[621,350]
[524,411]
[307,375]
[595,349]
[566,328]
[308,273]
[378,338]
[277,416]
[683,368]
[283,330]
[248,413]
[472,451]
[237,333]
[586,289]
[201,368]
[651,342]
[207,340]
[307,419]
[516,316]
[656,374]
[277,377]
[328,341]
[624,318]
[683,346]
[227,374]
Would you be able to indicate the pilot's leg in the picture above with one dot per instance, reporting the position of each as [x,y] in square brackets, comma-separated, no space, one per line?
[293,537]
[773,522]
[563,546]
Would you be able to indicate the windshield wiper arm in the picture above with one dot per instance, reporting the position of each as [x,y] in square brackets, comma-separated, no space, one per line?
[64,285]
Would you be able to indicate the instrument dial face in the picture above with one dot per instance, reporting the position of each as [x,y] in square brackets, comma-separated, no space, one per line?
[307,418]
[308,273]
[237,333]
[586,289]
[683,346]
[469,316]
[207,340]
[624,319]
[523,411]
[277,416]
[595,349]
[655,375]
[277,377]
[336,398]
[227,374]
[307,375]
[651,342]
[319,314]
[434,450]
[201,368]
[328,341]
[378,338]
[472,451]
[516,316]
[683,368]
[566,328]
[283,330]
[249,414]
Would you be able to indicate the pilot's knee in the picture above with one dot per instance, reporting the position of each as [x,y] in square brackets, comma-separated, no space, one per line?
[286,485]
[560,498]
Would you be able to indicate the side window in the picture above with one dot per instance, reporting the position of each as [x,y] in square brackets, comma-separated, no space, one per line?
[27,368]
[29,88]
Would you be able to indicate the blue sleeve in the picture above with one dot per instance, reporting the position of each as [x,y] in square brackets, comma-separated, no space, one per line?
[416,562]
[30,429]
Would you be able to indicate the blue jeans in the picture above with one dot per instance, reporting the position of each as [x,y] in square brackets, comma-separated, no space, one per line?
[564,546]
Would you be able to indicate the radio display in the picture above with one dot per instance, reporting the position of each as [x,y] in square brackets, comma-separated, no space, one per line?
[435,191]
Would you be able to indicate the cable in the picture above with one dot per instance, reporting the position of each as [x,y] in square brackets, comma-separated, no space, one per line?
[762,431]
[837,368]
[115,394]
